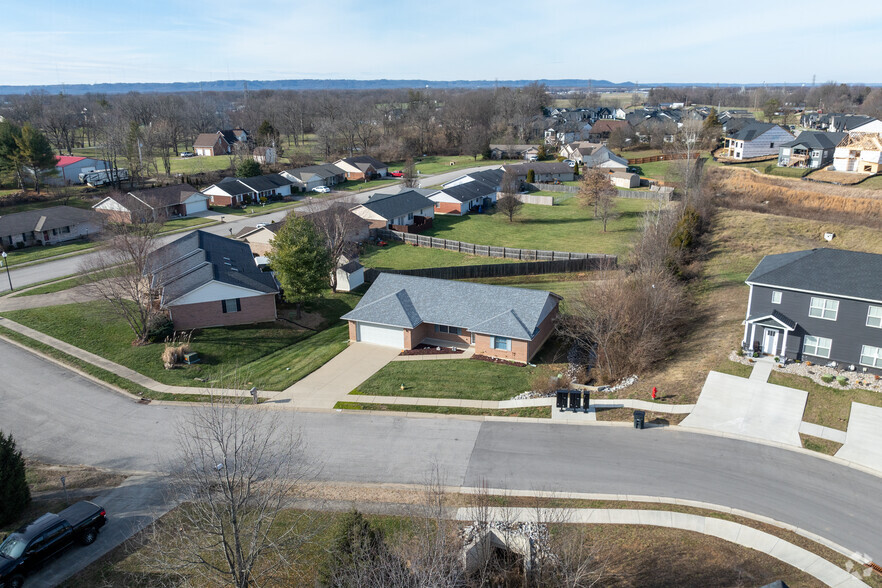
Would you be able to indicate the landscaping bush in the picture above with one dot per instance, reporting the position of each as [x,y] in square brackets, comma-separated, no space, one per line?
[159,328]
[15,496]
[827,378]
[842,380]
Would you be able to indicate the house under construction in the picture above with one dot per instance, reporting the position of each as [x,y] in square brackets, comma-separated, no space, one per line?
[859,153]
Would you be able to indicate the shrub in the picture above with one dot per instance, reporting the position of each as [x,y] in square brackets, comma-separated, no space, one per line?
[531,176]
[740,353]
[827,378]
[842,380]
[546,383]
[15,496]
[159,328]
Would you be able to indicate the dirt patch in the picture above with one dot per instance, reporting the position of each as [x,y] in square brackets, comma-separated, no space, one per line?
[835,177]
[820,445]
[308,320]
[46,478]
[497,360]
[627,415]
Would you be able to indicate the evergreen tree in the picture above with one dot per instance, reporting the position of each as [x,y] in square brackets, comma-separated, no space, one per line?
[301,261]
[10,155]
[15,495]
[36,153]
[248,168]
[531,176]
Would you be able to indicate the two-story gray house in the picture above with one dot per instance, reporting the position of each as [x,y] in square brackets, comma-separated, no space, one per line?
[821,305]
[812,149]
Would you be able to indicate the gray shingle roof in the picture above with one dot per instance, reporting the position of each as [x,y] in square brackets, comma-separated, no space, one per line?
[390,206]
[265,182]
[53,217]
[753,130]
[469,191]
[199,258]
[776,315]
[816,140]
[165,196]
[837,272]
[406,301]
[363,161]
[539,167]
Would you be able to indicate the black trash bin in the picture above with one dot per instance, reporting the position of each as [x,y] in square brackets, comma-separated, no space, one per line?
[562,399]
[575,400]
[639,418]
[585,399]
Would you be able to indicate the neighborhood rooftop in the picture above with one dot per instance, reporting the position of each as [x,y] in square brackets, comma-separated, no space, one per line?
[395,205]
[44,219]
[752,130]
[406,301]
[199,258]
[851,274]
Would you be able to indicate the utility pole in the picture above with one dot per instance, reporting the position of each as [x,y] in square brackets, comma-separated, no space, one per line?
[6,263]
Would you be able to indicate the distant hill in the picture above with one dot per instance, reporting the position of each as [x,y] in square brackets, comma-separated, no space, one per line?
[313,84]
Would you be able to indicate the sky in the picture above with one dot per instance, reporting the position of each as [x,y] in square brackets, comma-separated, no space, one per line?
[748,41]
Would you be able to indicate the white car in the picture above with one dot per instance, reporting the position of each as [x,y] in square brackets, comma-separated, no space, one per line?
[188,154]
[321,189]
[570,162]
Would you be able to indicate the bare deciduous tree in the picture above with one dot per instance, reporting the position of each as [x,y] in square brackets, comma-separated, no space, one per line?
[595,183]
[410,176]
[236,471]
[508,203]
[118,274]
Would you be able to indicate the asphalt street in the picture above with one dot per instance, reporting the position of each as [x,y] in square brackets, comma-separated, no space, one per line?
[60,417]
[40,272]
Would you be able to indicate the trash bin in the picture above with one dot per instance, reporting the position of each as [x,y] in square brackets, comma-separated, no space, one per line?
[639,418]
[585,399]
[562,399]
[575,400]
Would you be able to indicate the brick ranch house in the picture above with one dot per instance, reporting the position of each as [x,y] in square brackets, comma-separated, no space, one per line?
[498,321]
[209,281]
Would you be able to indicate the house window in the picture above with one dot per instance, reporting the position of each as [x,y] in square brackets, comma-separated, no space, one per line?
[824,308]
[817,346]
[871,356]
[65,230]
[447,329]
[776,298]
[409,216]
[874,317]
[503,343]
[437,205]
[771,145]
[231,305]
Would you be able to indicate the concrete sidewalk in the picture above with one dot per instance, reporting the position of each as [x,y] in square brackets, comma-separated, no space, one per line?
[801,559]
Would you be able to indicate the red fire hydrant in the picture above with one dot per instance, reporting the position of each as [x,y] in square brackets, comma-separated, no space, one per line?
[654,392]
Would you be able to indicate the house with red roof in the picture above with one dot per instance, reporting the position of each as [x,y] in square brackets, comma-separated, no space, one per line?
[70,167]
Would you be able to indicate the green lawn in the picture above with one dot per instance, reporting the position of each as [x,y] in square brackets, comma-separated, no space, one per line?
[397,255]
[874,183]
[656,170]
[565,285]
[828,406]
[255,209]
[564,227]
[357,185]
[17,256]
[440,164]
[248,348]
[74,201]
[186,223]
[448,378]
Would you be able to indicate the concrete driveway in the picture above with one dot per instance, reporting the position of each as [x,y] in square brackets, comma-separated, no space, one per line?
[749,407]
[337,378]
[863,440]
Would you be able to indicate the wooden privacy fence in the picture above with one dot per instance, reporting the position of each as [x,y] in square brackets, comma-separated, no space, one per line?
[535,199]
[496,270]
[651,195]
[662,157]
[553,187]
[484,250]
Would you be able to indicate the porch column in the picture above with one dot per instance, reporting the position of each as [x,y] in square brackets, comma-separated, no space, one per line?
[752,335]
[784,344]
[746,327]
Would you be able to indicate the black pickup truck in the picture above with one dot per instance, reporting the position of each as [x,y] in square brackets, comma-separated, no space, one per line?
[30,547]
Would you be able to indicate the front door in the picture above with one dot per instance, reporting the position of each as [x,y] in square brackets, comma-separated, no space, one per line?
[770,341]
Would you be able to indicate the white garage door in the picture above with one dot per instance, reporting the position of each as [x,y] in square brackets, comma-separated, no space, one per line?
[380,335]
[200,205]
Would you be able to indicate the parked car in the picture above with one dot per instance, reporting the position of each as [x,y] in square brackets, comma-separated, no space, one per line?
[397,174]
[188,154]
[321,189]
[32,546]
[532,158]
[570,162]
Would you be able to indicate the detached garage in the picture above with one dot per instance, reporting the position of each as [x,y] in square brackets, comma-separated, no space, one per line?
[379,335]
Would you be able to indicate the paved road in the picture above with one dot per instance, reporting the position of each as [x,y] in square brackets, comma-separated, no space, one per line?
[60,417]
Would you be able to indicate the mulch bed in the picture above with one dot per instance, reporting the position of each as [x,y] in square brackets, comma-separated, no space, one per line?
[423,349]
[495,360]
